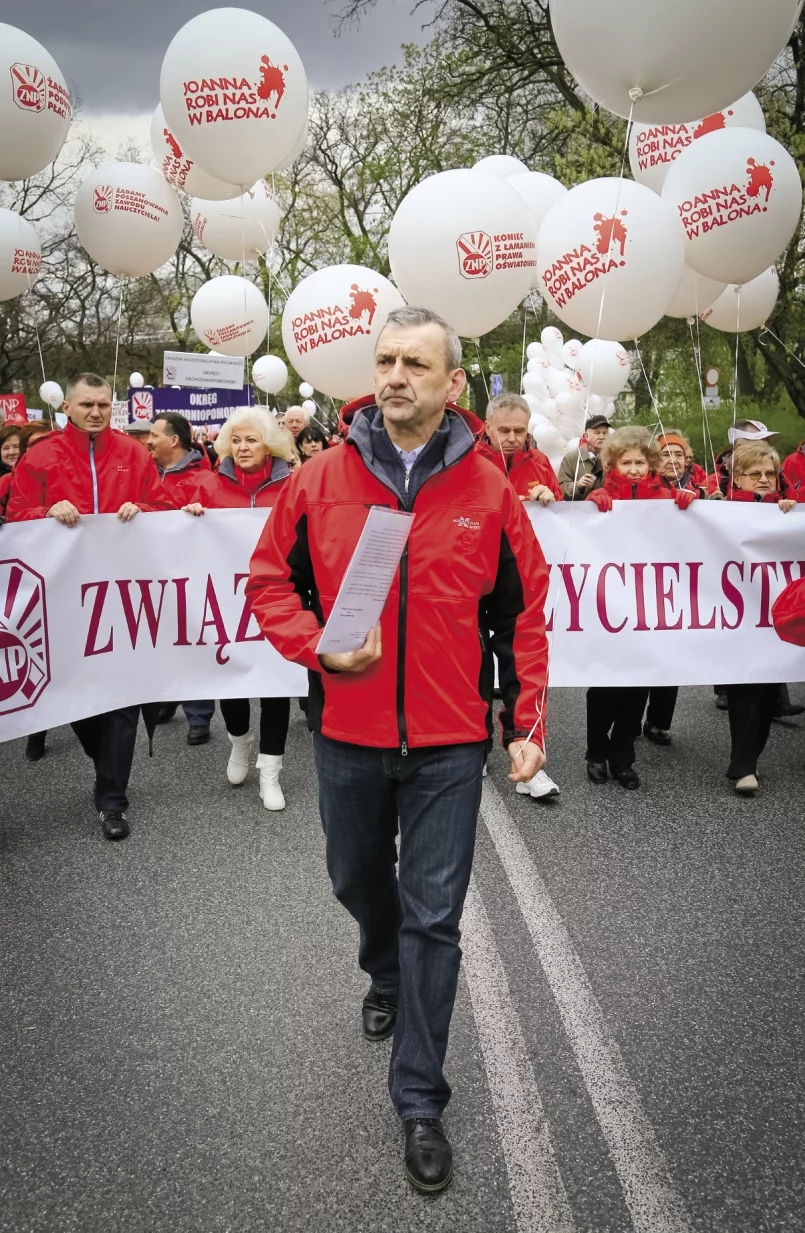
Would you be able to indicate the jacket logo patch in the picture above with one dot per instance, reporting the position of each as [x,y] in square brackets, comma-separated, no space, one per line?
[467,524]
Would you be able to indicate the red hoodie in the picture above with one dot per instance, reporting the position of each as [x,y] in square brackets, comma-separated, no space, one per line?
[525,467]
[97,474]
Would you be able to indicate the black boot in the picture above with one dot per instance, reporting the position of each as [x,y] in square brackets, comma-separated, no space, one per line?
[166,712]
[428,1154]
[35,746]
[597,772]
[379,1015]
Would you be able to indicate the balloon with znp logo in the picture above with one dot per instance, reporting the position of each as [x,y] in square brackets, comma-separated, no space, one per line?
[240,230]
[20,255]
[35,109]
[738,195]
[230,314]
[180,170]
[128,218]
[234,93]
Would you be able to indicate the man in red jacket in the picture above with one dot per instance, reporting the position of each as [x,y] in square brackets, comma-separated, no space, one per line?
[91,469]
[507,445]
[400,725]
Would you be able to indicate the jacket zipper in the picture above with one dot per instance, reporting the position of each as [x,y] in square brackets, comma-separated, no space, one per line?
[94,475]
[402,618]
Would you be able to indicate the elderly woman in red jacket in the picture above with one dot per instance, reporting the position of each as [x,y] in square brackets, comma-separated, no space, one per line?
[255,455]
[632,464]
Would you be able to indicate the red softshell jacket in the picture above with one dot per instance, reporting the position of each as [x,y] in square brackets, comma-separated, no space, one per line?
[794,471]
[221,490]
[181,480]
[97,474]
[652,488]
[472,571]
[525,468]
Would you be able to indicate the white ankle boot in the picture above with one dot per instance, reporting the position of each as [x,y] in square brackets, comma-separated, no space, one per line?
[238,766]
[269,766]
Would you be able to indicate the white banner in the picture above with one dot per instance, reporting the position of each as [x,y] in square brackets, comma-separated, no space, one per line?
[108,614]
[191,368]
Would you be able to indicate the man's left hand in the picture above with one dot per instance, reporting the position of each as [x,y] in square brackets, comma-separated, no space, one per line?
[127,511]
[527,758]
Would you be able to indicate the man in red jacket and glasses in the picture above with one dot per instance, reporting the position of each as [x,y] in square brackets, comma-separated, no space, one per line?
[400,725]
[91,469]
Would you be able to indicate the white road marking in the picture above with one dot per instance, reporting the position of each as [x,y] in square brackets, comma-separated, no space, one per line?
[654,1205]
[535,1184]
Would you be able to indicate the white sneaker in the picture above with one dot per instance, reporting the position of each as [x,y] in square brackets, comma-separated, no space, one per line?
[238,766]
[271,795]
[747,786]
[541,785]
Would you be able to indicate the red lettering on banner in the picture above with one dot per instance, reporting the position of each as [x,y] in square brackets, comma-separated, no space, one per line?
[665,598]
[640,596]
[695,619]
[601,597]
[152,617]
[90,646]
[788,567]
[766,568]
[181,612]
[246,615]
[574,596]
[732,595]
[215,619]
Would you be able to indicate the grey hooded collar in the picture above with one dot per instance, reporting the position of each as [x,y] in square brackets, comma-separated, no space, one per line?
[451,442]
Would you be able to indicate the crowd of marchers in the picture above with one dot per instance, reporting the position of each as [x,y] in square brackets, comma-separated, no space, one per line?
[91,468]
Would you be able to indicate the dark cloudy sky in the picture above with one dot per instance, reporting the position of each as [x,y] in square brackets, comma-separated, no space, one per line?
[111,51]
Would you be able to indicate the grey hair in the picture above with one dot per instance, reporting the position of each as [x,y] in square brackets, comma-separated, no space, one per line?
[409,317]
[515,401]
[298,408]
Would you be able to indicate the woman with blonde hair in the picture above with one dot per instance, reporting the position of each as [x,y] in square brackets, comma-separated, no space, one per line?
[255,455]
[632,462]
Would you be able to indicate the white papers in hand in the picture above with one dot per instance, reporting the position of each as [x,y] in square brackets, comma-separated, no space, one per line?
[367,582]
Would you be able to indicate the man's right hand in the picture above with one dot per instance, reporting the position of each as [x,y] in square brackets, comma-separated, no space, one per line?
[355,661]
[65,513]
[586,482]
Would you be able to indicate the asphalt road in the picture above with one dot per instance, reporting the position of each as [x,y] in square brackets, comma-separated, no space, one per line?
[180,1012]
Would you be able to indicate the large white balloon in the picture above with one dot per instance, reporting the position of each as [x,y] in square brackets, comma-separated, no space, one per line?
[654,147]
[611,257]
[739,196]
[500,165]
[538,191]
[745,308]
[51,393]
[234,93]
[270,374]
[694,295]
[128,218]
[230,314]
[306,390]
[604,367]
[181,171]
[464,245]
[331,323]
[296,152]
[238,230]
[687,58]
[20,255]
[35,107]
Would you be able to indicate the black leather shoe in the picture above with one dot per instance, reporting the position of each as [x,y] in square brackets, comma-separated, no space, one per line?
[626,776]
[114,824]
[428,1154]
[658,736]
[597,772]
[721,702]
[788,710]
[35,746]
[379,1015]
[166,712]
[198,735]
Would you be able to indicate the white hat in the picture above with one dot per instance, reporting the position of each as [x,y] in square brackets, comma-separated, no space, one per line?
[740,434]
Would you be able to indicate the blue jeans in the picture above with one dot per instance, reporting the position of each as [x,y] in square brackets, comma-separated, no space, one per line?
[408,918]
[199,714]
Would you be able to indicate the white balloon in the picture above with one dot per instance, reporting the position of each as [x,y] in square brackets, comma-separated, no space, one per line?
[240,230]
[51,393]
[306,390]
[547,407]
[694,295]
[745,308]
[595,405]
[534,351]
[654,147]
[536,423]
[464,245]
[500,165]
[611,256]
[739,196]
[35,110]
[557,381]
[181,171]
[570,352]
[610,410]
[604,367]
[128,218]
[296,152]
[330,326]
[533,384]
[234,93]
[230,314]
[552,340]
[550,440]
[20,255]
[269,374]
[538,191]
[570,421]
[569,403]
[668,51]
[309,406]
[136,381]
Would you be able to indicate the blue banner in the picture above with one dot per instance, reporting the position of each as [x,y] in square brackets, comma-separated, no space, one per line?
[497,384]
[203,408]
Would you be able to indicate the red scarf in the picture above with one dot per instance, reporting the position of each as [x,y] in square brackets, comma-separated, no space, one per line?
[252,480]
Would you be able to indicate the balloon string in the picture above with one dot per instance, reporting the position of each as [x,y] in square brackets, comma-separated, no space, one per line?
[787,349]
[735,387]
[36,331]
[117,340]
[697,360]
